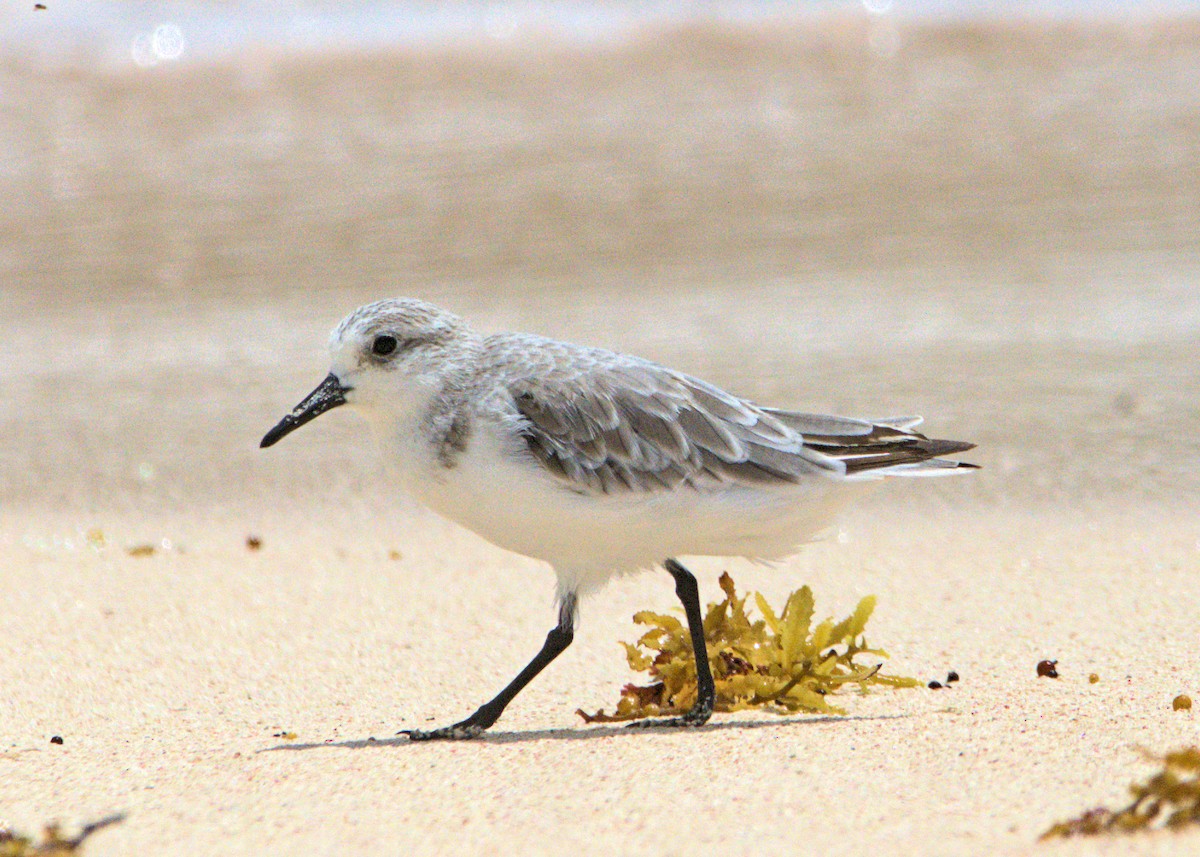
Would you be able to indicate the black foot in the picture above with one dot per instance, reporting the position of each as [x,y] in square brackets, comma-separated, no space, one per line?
[698,716]
[457,732]
[488,713]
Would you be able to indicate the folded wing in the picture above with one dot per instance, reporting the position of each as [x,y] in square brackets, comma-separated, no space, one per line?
[618,424]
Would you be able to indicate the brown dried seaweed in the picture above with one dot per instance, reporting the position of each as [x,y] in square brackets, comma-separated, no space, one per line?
[1169,799]
[53,843]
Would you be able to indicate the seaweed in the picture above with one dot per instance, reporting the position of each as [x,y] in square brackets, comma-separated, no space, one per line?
[779,662]
[53,843]
[1169,799]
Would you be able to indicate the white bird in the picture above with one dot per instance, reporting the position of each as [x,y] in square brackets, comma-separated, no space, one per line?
[596,462]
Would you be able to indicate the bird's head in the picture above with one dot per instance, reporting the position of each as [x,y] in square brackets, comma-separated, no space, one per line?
[391,358]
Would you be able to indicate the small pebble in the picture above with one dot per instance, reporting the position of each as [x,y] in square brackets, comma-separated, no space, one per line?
[951,676]
[1047,669]
[57,739]
[1093,678]
[935,685]
[1183,702]
[253,543]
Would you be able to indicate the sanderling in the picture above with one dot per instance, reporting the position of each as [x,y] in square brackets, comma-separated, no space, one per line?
[598,463]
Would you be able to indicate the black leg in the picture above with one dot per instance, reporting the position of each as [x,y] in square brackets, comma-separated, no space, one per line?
[556,641]
[706,691]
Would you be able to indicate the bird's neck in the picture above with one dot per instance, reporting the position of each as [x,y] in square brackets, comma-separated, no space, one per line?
[427,440]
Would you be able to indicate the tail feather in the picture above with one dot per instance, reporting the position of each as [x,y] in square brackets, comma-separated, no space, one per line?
[869,449]
[901,423]
[887,449]
[930,467]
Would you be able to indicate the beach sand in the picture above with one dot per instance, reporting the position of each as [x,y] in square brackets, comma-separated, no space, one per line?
[994,226]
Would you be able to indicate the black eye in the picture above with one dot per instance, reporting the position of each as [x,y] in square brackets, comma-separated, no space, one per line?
[384,345]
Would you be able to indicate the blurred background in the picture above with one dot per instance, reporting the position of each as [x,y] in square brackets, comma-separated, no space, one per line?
[985,212]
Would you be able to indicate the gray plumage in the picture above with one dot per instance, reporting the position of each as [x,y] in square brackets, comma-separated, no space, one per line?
[607,423]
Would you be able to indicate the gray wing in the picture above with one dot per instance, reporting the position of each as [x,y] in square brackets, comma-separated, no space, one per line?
[642,427]
[609,423]
[636,426]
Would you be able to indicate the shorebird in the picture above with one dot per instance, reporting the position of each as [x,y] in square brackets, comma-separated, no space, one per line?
[598,463]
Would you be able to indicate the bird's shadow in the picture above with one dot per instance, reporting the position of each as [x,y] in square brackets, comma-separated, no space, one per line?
[590,733]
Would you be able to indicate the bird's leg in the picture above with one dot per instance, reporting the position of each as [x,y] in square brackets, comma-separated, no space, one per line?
[706,692]
[556,641]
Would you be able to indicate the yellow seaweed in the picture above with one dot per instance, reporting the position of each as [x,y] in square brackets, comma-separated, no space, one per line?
[779,662]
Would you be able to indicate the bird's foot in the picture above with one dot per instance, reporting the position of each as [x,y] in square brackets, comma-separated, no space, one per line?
[697,716]
[464,731]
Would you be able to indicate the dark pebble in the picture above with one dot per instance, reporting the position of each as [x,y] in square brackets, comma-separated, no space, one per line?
[1047,669]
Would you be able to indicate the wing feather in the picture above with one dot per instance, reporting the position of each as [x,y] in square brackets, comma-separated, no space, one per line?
[622,425]
[608,423]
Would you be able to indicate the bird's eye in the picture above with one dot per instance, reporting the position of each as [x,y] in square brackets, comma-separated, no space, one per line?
[383,345]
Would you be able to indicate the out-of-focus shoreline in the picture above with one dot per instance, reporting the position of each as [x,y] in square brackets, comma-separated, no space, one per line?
[119,35]
[1041,157]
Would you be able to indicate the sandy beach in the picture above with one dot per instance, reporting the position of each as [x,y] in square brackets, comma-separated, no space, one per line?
[993,225]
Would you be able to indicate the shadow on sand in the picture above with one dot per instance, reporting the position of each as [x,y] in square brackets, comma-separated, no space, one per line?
[582,734]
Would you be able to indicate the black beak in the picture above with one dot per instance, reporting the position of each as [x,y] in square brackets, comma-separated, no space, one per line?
[328,395]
